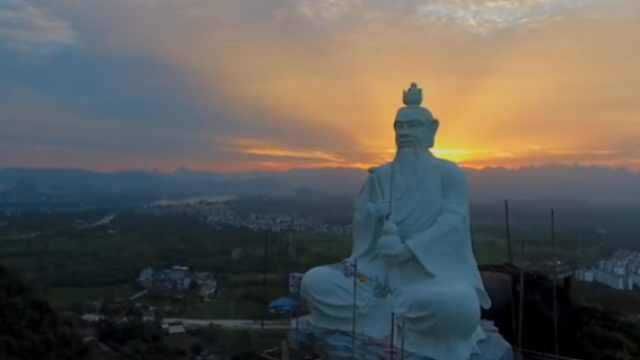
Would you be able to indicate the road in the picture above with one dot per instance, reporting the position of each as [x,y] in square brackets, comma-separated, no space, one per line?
[231,324]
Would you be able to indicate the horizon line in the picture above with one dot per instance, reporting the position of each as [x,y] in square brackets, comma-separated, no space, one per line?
[174,171]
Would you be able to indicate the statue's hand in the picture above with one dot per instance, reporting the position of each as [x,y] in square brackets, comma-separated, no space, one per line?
[390,246]
[396,253]
[379,209]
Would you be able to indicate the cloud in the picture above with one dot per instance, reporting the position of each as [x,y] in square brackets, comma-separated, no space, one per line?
[476,16]
[40,131]
[485,16]
[25,27]
[327,10]
[542,156]
[317,83]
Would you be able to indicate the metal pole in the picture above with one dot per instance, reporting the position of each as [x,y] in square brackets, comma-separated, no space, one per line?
[508,231]
[521,300]
[555,284]
[297,331]
[402,339]
[522,250]
[284,350]
[287,261]
[354,310]
[507,222]
[553,231]
[521,314]
[264,278]
[391,340]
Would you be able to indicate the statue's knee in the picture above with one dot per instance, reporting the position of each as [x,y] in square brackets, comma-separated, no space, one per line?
[464,305]
[454,301]
[316,279]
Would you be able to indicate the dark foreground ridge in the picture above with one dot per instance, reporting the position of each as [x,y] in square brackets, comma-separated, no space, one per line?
[30,328]
[584,332]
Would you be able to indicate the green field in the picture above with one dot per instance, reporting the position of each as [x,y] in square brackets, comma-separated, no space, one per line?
[604,298]
[71,265]
[64,297]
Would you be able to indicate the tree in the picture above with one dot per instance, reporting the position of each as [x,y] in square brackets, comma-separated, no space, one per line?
[196,349]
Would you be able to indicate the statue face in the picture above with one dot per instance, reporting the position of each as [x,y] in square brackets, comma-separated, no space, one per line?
[415,129]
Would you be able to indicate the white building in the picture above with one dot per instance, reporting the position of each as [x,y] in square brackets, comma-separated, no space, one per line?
[174,328]
[584,275]
[620,271]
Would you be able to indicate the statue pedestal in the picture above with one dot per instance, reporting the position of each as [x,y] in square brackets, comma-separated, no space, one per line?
[337,345]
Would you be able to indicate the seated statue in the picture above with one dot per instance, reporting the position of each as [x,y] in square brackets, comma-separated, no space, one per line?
[412,254]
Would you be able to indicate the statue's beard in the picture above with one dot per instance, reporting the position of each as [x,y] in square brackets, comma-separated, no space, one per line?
[408,157]
[406,168]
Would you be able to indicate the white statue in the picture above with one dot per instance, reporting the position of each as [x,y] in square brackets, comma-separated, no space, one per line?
[412,251]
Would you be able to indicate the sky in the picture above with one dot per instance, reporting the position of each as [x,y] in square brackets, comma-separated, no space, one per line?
[247,85]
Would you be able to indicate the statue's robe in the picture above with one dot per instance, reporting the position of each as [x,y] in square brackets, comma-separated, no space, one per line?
[437,294]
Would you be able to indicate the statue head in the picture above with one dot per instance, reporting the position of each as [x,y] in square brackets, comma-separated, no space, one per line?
[415,126]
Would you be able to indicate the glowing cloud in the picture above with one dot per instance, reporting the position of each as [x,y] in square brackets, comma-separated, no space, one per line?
[485,16]
[29,28]
[317,82]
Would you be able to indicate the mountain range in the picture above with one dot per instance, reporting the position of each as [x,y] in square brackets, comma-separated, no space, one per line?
[596,185]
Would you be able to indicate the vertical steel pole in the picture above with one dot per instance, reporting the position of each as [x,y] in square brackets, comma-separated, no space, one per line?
[507,223]
[354,308]
[264,278]
[391,337]
[555,284]
[402,339]
[508,231]
[521,315]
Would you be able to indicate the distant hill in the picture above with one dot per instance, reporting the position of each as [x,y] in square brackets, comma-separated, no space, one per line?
[577,184]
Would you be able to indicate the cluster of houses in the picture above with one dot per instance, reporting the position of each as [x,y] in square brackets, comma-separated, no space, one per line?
[219,214]
[620,271]
[277,223]
[176,281]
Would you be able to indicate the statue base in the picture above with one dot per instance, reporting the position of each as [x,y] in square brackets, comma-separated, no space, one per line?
[338,345]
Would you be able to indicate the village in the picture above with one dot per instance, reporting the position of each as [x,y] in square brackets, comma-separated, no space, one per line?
[219,214]
[168,288]
[620,271]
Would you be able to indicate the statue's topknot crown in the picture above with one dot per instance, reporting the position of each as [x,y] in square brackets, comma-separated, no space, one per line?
[412,96]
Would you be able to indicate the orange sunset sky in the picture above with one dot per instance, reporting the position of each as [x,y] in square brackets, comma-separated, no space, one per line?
[278,84]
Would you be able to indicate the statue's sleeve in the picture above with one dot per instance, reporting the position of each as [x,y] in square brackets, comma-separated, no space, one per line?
[453,218]
[444,249]
[364,223]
